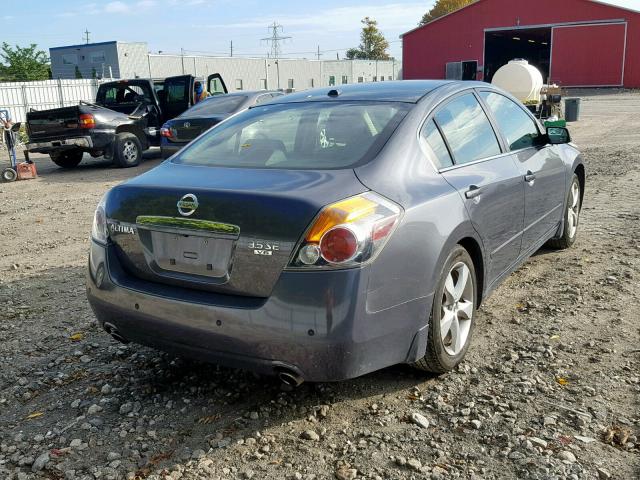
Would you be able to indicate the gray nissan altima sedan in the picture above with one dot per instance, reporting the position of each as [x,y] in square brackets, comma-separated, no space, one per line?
[333,232]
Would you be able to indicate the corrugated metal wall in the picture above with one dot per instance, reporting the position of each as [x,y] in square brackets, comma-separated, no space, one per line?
[19,97]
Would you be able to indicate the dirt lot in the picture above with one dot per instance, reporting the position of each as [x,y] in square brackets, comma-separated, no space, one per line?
[550,390]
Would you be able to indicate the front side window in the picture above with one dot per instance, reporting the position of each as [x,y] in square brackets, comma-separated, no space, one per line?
[314,135]
[467,130]
[430,135]
[518,127]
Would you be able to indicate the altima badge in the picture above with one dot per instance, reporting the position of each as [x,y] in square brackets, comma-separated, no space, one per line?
[187,205]
[186,124]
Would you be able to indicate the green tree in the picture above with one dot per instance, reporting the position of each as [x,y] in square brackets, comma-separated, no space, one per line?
[373,45]
[22,64]
[78,73]
[443,7]
[94,74]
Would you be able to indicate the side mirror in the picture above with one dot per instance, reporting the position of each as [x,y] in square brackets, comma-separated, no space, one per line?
[558,135]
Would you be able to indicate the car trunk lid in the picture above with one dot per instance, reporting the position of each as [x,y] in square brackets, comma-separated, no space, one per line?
[227,230]
[186,129]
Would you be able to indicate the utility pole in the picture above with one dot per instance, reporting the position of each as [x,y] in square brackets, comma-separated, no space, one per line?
[318,54]
[231,55]
[275,39]
[182,57]
[86,35]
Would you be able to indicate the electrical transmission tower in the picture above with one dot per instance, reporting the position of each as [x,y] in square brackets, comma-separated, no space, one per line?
[275,39]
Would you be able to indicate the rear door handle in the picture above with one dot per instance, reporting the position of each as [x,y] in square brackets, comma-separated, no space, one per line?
[530,177]
[473,192]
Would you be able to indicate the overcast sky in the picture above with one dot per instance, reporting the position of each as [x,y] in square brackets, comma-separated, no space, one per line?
[208,26]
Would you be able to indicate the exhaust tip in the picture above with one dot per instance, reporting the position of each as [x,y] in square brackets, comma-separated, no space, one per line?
[115,334]
[291,379]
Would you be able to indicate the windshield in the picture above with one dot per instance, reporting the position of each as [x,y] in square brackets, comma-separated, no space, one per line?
[313,135]
[217,105]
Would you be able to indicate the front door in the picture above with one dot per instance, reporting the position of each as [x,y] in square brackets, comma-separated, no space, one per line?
[216,85]
[541,167]
[488,179]
[177,96]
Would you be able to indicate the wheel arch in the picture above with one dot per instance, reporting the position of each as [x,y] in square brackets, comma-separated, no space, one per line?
[579,170]
[135,130]
[467,237]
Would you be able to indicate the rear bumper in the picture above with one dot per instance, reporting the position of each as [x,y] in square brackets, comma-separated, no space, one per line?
[316,323]
[61,144]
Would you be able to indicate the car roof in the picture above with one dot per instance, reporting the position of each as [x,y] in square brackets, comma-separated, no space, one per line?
[409,91]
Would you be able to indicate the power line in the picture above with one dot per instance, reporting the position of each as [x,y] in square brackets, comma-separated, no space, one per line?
[275,39]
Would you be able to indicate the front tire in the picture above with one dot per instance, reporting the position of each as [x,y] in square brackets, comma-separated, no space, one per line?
[69,159]
[452,319]
[571,217]
[127,150]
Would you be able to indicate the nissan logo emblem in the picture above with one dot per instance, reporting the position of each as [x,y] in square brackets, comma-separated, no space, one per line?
[187,205]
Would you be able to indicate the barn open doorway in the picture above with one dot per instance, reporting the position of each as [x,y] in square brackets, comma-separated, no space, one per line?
[502,46]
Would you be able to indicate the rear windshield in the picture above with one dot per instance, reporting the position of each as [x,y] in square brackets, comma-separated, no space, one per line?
[312,135]
[218,105]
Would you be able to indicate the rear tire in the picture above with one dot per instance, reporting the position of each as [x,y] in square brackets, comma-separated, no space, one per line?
[127,150]
[69,159]
[452,319]
[571,217]
[9,175]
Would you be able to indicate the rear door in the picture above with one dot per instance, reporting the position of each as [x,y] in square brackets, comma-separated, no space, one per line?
[541,167]
[177,96]
[469,155]
[215,84]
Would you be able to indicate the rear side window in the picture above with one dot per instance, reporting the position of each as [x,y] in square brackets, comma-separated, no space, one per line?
[518,127]
[430,135]
[467,130]
[313,135]
[217,105]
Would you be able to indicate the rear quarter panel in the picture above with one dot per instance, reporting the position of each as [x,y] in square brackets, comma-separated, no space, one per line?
[434,221]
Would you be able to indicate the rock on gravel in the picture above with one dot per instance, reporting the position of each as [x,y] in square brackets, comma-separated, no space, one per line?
[420,420]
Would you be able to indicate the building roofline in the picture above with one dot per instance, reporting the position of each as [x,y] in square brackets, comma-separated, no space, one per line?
[83,45]
[604,4]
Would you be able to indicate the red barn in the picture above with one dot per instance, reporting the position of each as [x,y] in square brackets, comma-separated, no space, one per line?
[574,43]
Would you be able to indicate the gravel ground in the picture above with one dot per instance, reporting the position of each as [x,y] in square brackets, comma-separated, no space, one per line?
[550,389]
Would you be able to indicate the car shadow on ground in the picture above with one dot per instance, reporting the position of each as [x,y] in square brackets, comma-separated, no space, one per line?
[193,405]
[93,169]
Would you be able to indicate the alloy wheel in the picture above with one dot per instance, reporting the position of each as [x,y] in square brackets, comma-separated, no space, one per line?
[130,151]
[457,308]
[573,212]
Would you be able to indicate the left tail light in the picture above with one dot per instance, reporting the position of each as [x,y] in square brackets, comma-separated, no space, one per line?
[166,132]
[99,230]
[348,233]
[87,121]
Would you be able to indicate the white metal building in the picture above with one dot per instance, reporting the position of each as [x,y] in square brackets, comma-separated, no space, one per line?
[130,60]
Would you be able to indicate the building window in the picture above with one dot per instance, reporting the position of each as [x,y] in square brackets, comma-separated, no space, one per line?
[263,83]
[390,78]
[97,57]
[382,78]
[345,80]
[70,59]
[238,84]
[312,83]
[290,83]
[332,81]
[360,79]
[375,79]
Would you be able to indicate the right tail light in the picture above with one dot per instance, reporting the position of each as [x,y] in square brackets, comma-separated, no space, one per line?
[348,233]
